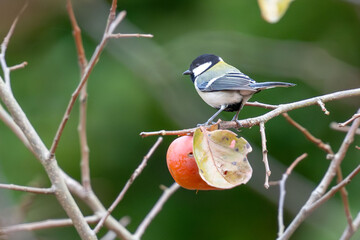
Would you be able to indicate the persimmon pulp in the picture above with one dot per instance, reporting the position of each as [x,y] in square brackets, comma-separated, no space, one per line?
[182,166]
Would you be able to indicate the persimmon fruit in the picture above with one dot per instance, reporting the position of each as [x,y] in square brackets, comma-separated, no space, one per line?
[182,165]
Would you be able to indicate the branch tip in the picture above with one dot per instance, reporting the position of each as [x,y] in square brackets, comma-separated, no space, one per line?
[18,66]
[322,106]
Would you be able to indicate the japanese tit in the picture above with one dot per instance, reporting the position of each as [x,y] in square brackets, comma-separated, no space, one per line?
[223,86]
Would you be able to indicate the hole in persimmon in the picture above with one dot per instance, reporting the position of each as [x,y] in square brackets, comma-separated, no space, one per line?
[190,154]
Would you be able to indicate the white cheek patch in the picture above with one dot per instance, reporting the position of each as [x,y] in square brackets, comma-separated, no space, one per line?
[200,69]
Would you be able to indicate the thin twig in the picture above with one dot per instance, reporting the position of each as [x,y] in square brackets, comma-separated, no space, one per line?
[345,199]
[283,108]
[136,173]
[188,131]
[347,234]
[281,225]
[111,235]
[265,152]
[18,66]
[335,126]
[325,147]
[4,45]
[155,210]
[355,116]
[335,189]
[93,202]
[111,25]
[28,189]
[262,105]
[84,147]
[9,121]
[77,37]
[295,163]
[112,15]
[283,193]
[51,223]
[126,35]
[309,208]
[322,106]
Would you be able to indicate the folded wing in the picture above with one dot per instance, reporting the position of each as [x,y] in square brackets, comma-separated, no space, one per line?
[228,81]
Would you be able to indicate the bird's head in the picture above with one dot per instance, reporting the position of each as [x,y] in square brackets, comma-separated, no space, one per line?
[201,64]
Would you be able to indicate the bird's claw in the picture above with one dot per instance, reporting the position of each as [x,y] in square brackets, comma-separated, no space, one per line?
[238,123]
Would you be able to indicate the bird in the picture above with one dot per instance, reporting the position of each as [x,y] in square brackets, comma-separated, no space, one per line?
[223,86]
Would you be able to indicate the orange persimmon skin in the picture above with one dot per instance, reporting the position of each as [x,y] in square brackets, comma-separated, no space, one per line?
[182,165]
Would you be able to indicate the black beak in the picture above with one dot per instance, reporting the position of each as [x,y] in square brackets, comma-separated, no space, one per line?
[187,72]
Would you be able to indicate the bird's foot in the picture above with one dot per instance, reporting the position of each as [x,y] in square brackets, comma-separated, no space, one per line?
[238,123]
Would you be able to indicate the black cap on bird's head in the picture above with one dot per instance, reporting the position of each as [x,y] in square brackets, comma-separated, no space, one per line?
[201,64]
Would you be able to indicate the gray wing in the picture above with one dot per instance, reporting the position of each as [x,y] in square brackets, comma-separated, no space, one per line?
[228,81]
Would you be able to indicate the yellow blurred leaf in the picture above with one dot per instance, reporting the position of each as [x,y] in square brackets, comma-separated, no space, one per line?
[222,158]
[273,10]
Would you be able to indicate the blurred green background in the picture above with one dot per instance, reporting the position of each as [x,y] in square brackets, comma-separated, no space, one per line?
[137,86]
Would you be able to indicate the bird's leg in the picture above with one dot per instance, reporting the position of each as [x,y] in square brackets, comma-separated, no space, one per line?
[222,107]
[235,118]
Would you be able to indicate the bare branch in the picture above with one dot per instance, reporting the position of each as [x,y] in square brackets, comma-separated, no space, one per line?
[345,200]
[91,200]
[283,193]
[111,25]
[155,210]
[262,105]
[77,37]
[336,127]
[52,223]
[136,173]
[4,45]
[265,152]
[112,15]
[334,189]
[355,116]
[188,131]
[323,108]
[115,23]
[319,191]
[88,198]
[41,152]
[281,225]
[283,108]
[110,235]
[8,120]
[295,163]
[291,106]
[127,35]
[310,207]
[325,147]
[348,233]
[84,147]
[28,189]
[18,66]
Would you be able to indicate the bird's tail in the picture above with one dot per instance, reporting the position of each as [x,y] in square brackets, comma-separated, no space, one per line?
[267,85]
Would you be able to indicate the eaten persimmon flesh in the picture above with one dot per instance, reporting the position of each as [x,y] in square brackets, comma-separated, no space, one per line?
[182,165]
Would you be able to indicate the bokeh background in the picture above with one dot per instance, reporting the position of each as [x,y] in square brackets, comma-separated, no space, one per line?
[137,86]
